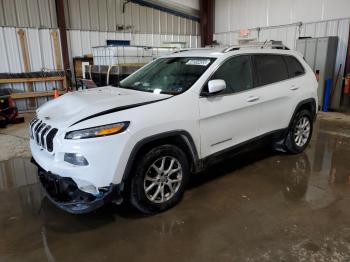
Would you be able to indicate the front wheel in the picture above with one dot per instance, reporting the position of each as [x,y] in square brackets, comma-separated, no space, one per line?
[160,179]
[299,133]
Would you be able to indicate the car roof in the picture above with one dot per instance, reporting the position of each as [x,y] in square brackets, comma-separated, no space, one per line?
[224,52]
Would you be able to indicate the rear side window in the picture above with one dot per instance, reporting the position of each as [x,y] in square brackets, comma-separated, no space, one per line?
[294,66]
[270,69]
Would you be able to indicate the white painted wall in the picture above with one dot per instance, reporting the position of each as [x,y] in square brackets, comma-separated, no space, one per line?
[231,15]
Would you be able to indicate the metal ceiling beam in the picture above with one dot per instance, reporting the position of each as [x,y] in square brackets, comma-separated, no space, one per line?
[61,23]
[206,11]
[169,7]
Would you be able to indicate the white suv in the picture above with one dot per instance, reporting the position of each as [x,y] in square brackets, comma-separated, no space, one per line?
[142,139]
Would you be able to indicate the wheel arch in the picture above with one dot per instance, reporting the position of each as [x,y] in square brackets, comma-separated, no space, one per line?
[308,104]
[180,138]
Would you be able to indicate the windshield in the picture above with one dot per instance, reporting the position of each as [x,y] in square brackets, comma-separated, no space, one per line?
[168,75]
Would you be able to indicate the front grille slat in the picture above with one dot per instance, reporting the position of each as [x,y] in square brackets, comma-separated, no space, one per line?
[37,132]
[49,139]
[42,128]
[42,134]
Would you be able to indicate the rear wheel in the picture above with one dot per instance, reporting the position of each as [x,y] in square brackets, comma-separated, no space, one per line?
[300,132]
[160,179]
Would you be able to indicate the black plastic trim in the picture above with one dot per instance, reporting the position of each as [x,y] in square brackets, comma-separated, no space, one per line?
[239,148]
[82,202]
[117,109]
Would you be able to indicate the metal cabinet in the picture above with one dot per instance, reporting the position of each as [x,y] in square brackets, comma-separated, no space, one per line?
[320,53]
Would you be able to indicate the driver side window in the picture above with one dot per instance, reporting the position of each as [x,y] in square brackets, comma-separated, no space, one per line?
[237,73]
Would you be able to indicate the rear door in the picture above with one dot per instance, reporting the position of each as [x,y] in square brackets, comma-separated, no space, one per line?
[274,89]
[231,117]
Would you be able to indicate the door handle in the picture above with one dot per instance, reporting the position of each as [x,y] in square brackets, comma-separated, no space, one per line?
[252,98]
[293,88]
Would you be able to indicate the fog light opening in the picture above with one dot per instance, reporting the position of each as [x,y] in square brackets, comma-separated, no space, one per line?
[75,159]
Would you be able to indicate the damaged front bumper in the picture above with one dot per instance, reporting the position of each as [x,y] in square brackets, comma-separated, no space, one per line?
[65,194]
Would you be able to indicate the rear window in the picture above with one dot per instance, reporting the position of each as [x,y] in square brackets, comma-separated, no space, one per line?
[294,66]
[270,69]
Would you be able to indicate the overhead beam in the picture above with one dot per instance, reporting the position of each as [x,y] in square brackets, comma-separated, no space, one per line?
[206,24]
[169,7]
[61,22]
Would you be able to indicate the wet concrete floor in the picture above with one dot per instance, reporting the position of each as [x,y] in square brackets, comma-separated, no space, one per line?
[259,206]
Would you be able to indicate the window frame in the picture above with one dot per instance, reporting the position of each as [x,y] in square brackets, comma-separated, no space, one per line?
[254,72]
[253,75]
[302,66]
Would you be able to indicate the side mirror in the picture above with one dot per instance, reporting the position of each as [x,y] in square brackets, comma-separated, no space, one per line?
[216,86]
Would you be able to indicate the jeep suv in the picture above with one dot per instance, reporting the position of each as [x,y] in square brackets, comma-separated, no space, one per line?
[142,139]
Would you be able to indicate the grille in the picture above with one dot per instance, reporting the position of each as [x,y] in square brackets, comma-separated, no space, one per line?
[42,133]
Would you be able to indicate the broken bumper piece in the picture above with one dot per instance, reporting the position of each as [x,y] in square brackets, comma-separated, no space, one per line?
[65,194]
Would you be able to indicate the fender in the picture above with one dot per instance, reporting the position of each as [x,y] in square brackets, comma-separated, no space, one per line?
[184,135]
[311,101]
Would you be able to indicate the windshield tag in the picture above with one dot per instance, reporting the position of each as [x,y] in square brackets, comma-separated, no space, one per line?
[199,62]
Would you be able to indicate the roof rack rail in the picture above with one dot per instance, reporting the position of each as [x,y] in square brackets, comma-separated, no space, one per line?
[189,49]
[265,45]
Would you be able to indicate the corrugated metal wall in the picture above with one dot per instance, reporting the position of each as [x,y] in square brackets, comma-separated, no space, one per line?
[92,22]
[289,33]
[232,15]
[28,13]
[108,15]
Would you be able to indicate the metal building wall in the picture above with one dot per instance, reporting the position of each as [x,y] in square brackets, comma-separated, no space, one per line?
[28,13]
[231,15]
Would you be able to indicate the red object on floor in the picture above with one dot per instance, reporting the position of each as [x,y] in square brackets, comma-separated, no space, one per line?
[55,93]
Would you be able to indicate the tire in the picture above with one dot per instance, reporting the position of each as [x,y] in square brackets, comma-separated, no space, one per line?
[152,173]
[292,144]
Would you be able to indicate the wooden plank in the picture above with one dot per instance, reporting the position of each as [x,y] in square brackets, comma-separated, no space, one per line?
[57,50]
[26,64]
[24,49]
[33,94]
[30,80]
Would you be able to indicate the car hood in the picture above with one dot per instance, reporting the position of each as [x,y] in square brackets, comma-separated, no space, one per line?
[76,106]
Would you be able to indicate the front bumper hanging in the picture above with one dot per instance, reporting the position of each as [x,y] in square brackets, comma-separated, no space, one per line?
[65,194]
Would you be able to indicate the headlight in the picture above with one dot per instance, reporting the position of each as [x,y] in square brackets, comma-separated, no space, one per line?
[98,131]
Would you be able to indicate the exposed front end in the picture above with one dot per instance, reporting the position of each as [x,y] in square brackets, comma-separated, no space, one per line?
[77,175]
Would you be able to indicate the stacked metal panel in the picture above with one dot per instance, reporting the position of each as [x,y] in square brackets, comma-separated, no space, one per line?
[114,63]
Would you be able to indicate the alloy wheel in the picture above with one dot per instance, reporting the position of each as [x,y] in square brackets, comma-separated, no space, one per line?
[302,131]
[163,179]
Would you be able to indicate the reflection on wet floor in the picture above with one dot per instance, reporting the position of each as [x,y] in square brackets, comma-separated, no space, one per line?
[259,206]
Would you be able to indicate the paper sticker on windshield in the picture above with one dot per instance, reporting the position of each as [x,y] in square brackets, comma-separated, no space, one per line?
[199,62]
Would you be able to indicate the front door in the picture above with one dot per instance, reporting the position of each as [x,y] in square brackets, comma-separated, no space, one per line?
[231,117]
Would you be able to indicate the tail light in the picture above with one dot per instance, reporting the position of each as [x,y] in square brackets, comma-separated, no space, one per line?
[317,74]
[11,102]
